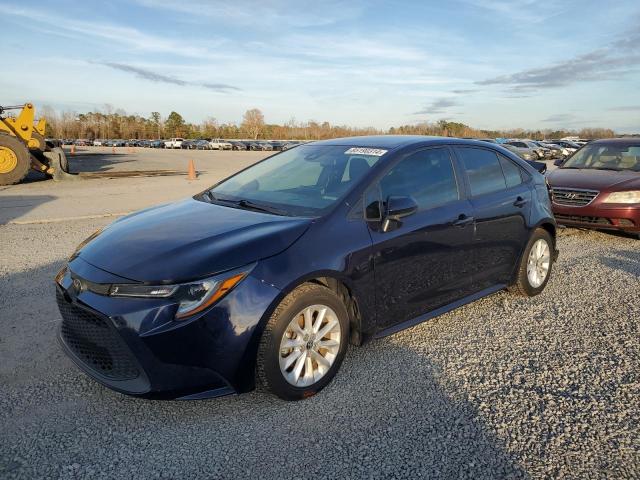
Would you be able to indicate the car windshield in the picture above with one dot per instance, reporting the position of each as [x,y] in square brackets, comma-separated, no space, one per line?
[606,157]
[304,181]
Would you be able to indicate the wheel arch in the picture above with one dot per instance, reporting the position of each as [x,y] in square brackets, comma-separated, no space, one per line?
[547,224]
[331,279]
[341,286]
[550,226]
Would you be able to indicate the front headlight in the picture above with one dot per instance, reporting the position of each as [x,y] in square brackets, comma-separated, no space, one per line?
[193,297]
[632,196]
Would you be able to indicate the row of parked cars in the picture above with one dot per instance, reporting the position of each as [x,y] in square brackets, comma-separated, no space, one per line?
[532,150]
[190,144]
[220,144]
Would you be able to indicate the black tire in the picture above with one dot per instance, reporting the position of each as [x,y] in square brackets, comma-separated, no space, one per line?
[268,359]
[14,160]
[522,285]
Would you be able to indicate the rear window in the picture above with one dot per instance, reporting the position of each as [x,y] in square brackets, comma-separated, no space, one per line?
[483,170]
[512,173]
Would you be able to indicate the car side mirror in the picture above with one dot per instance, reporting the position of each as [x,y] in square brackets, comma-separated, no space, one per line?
[398,207]
[559,162]
[541,167]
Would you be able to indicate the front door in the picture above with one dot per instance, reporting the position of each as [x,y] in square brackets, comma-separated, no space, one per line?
[421,261]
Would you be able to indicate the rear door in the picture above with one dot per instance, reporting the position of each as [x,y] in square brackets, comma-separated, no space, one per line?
[421,263]
[500,194]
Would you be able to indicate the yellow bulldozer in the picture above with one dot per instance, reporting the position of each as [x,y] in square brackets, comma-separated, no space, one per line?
[23,147]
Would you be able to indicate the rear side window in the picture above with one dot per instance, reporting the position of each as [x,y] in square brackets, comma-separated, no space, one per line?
[483,170]
[427,176]
[512,173]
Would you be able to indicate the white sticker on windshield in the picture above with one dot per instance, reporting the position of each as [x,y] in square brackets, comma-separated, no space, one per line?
[375,152]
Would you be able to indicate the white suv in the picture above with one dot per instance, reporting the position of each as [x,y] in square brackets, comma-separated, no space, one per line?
[174,143]
[217,144]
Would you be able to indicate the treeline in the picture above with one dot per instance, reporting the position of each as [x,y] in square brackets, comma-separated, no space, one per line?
[119,124]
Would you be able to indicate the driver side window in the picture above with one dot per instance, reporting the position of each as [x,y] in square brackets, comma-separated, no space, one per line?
[427,176]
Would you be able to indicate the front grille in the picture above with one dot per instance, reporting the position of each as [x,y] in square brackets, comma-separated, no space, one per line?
[573,197]
[582,219]
[95,342]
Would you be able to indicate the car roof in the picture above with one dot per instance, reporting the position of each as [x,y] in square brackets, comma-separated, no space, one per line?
[620,142]
[396,141]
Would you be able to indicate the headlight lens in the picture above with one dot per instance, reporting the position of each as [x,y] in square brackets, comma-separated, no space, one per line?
[632,196]
[193,297]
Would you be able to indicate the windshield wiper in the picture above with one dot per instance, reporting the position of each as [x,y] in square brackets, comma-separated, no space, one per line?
[210,197]
[606,168]
[243,203]
[248,204]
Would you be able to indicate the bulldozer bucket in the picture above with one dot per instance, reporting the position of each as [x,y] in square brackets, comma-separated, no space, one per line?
[59,163]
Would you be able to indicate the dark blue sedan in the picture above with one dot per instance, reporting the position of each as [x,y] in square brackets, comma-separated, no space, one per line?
[270,274]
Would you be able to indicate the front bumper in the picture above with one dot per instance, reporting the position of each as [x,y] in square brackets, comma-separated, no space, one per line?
[598,215]
[136,347]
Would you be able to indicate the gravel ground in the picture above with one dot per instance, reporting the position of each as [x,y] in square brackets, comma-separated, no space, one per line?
[506,387]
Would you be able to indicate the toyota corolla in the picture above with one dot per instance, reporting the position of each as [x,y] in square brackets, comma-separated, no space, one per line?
[270,274]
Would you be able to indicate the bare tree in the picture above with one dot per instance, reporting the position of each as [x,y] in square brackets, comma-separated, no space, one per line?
[209,127]
[116,123]
[253,122]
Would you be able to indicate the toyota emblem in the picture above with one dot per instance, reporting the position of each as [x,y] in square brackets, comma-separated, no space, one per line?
[77,285]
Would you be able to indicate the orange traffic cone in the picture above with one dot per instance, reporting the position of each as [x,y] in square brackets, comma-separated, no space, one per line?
[192,171]
[73,149]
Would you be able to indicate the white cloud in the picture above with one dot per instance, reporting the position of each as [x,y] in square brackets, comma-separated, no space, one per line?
[124,36]
[534,11]
[274,14]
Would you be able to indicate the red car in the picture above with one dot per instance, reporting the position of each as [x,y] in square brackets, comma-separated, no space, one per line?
[599,187]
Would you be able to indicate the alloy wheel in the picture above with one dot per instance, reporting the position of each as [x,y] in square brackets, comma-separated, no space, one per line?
[538,263]
[310,345]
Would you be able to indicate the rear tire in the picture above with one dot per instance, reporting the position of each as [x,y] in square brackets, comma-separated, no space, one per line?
[14,160]
[535,265]
[303,343]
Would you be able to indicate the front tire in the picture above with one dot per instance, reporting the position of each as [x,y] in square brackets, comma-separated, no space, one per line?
[14,160]
[303,343]
[535,265]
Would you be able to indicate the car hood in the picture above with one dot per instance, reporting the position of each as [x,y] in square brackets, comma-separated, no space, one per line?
[594,179]
[189,239]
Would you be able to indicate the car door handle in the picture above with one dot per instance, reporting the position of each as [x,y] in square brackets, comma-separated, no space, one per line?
[520,202]
[463,220]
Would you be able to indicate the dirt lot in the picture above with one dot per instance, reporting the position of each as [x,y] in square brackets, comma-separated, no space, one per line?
[506,387]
